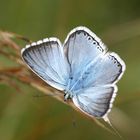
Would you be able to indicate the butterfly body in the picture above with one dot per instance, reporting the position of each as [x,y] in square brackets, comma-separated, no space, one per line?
[82,68]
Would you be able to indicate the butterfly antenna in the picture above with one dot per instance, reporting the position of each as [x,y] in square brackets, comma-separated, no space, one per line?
[45,95]
[106,119]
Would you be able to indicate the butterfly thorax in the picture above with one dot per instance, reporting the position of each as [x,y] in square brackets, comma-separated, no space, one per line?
[72,88]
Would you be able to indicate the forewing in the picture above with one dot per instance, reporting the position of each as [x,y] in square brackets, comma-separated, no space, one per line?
[89,60]
[81,47]
[46,58]
[96,101]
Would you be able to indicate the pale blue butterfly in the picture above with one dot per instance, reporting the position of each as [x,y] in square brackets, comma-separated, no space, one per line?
[81,67]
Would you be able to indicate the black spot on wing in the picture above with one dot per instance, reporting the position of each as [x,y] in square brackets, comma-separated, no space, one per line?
[89,37]
[118,64]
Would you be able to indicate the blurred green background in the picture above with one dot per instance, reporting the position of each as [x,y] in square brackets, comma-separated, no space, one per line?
[117,23]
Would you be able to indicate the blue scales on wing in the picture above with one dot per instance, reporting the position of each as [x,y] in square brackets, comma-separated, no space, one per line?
[46,58]
[94,72]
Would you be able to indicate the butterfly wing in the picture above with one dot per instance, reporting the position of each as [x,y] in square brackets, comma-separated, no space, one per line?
[89,60]
[95,72]
[96,101]
[81,48]
[98,89]
[107,70]
[46,58]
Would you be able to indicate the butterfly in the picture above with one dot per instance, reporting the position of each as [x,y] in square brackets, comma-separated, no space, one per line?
[81,67]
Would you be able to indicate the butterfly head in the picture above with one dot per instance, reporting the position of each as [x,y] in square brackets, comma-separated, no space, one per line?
[67,94]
